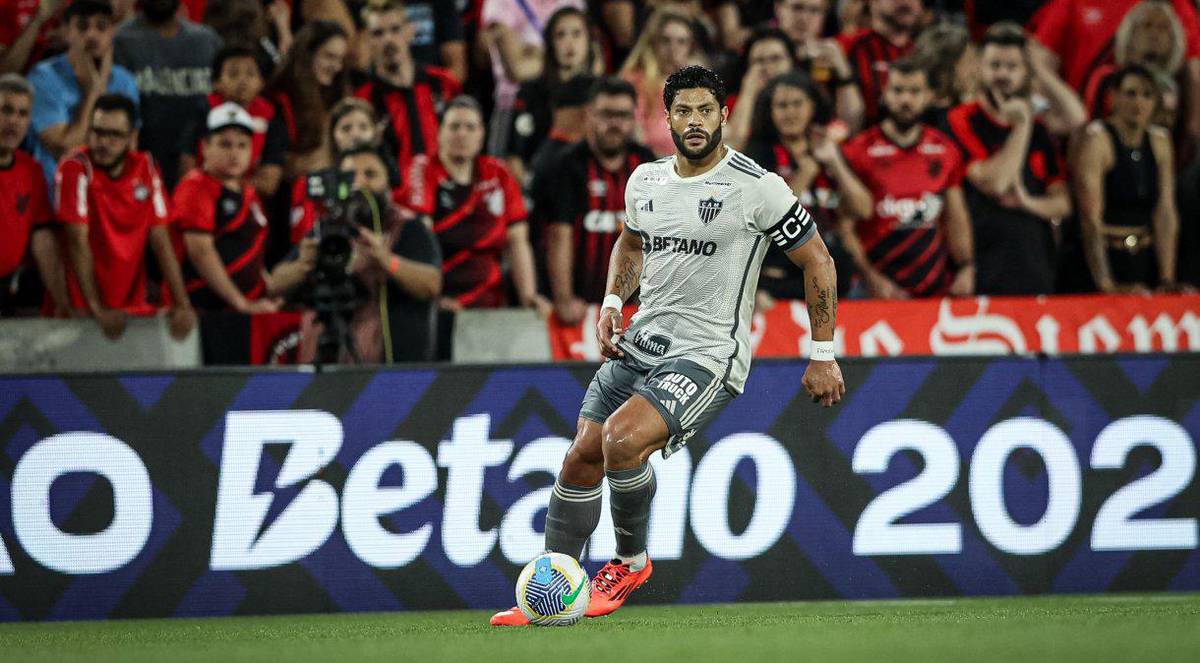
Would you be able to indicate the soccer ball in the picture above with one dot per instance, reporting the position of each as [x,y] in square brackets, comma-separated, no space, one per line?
[553,590]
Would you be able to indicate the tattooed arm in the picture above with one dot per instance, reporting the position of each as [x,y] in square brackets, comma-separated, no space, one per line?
[822,379]
[624,276]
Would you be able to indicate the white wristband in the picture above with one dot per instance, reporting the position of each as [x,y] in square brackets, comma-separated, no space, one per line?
[612,301]
[821,351]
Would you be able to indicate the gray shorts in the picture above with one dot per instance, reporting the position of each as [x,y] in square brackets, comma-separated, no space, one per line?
[687,395]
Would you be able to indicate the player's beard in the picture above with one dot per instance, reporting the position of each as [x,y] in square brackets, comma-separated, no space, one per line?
[713,142]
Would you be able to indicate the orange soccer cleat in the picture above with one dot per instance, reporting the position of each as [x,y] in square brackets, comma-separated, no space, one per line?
[612,585]
[511,617]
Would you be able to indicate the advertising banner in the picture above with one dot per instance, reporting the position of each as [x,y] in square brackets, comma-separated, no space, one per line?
[238,492]
[1086,324]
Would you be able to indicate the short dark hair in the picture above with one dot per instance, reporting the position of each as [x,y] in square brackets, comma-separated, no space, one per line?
[234,52]
[87,9]
[117,102]
[1137,71]
[611,86]
[694,76]
[1004,34]
[909,65]
[767,34]
[389,164]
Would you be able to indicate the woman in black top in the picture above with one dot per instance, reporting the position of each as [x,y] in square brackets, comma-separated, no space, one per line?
[788,137]
[1124,178]
[570,51]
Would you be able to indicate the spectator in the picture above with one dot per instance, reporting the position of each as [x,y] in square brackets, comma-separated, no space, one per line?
[1016,191]
[568,120]
[1079,34]
[221,220]
[570,52]
[408,96]
[237,78]
[617,22]
[438,36]
[1150,35]
[396,260]
[111,202]
[24,203]
[311,79]
[1126,189]
[582,200]
[768,54]
[23,27]
[893,27]
[265,27]
[735,20]
[170,59]
[667,44]
[67,86]
[788,138]
[512,32]
[803,21]
[951,61]
[916,241]
[477,212]
[352,124]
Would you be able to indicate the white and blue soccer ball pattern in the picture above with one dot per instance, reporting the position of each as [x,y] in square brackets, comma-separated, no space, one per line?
[553,590]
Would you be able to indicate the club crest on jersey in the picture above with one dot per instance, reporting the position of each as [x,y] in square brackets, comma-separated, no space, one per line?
[709,209]
[141,192]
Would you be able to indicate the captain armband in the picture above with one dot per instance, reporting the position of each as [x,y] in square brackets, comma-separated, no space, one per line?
[794,229]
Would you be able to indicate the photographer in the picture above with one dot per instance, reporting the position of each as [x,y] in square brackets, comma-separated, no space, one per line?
[394,263]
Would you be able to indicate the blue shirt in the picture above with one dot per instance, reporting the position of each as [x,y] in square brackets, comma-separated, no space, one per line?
[56,96]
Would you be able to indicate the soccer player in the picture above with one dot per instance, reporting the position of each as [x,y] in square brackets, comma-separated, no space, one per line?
[697,227]
[110,200]
[918,222]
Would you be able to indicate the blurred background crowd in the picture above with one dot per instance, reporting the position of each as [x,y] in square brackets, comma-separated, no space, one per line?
[185,157]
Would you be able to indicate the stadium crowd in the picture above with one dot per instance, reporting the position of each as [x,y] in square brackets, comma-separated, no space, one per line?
[162,154]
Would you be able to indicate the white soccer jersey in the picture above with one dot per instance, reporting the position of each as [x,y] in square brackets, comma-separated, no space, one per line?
[703,243]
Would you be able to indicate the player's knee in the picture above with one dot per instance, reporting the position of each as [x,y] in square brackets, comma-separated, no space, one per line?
[621,443]
[584,463]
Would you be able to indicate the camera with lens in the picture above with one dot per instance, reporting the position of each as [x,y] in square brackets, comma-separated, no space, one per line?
[330,290]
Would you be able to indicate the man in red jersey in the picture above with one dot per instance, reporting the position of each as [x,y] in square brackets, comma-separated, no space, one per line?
[917,243]
[894,25]
[222,222]
[410,96]
[475,207]
[24,205]
[110,199]
[582,198]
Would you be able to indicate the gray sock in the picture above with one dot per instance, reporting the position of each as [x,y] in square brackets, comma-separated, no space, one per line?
[573,516]
[631,494]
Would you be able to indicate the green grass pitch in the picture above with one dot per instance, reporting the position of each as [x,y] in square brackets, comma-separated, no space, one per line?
[1026,630]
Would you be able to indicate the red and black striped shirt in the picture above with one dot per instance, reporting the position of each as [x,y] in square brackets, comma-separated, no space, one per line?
[412,113]
[905,237]
[471,222]
[578,190]
[239,229]
[869,54]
